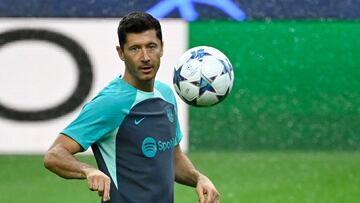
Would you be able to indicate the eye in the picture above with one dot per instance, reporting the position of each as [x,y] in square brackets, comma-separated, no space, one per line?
[152,46]
[134,49]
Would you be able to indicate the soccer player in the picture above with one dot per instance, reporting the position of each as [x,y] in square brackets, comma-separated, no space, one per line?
[133,129]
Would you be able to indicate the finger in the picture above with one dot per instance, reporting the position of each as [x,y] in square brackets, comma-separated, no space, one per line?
[217,199]
[209,197]
[100,188]
[94,186]
[213,197]
[200,194]
[90,184]
[106,195]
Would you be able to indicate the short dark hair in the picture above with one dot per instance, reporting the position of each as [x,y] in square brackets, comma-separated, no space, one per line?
[137,22]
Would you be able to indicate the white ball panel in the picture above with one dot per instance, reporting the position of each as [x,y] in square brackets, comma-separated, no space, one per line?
[211,66]
[207,99]
[188,90]
[191,71]
[232,80]
[221,84]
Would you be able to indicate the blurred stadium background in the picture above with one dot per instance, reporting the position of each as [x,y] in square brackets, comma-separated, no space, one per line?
[288,132]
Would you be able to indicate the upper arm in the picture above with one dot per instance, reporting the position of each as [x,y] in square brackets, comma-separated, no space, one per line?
[60,158]
[178,151]
[65,142]
[96,120]
[180,157]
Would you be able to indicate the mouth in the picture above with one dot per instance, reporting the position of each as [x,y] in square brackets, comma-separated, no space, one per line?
[146,69]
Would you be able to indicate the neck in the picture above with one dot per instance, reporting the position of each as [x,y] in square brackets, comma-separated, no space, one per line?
[144,85]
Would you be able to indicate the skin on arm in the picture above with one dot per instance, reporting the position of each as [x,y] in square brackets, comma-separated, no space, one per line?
[186,174]
[60,160]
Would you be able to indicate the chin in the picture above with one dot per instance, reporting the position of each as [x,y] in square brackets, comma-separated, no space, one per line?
[148,78]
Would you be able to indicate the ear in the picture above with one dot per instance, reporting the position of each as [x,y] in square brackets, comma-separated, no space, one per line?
[120,52]
[162,49]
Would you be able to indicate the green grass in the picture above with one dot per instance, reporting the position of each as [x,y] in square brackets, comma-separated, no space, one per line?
[259,177]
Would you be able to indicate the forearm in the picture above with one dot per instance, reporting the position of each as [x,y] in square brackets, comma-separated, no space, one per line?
[60,160]
[63,163]
[185,172]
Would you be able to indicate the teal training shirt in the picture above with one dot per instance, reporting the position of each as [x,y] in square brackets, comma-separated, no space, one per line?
[132,134]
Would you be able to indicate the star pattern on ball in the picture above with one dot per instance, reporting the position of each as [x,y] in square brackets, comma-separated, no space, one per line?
[204,85]
[199,54]
[178,77]
[227,68]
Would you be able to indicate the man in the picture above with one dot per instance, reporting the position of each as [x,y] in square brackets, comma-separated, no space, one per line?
[133,129]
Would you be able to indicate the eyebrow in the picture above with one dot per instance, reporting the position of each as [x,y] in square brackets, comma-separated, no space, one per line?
[138,45]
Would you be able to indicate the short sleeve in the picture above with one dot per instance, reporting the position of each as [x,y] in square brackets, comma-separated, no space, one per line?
[169,96]
[96,120]
[179,133]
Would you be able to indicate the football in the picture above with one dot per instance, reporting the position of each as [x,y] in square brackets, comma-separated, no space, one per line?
[203,76]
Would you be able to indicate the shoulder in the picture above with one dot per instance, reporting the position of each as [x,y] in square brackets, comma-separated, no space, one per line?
[163,87]
[165,91]
[114,97]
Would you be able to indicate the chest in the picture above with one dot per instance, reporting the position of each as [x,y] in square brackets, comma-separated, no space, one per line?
[149,124]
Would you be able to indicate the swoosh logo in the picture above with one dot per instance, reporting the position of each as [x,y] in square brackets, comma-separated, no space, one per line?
[137,122]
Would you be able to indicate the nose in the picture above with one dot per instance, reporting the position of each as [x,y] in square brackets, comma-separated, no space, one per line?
[145,55]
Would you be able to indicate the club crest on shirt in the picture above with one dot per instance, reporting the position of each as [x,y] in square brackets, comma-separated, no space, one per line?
[170,114]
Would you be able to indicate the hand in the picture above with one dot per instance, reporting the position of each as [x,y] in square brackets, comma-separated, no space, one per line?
[98,181]
[206,191]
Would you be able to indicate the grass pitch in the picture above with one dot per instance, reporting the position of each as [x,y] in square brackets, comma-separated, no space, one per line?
[251,177]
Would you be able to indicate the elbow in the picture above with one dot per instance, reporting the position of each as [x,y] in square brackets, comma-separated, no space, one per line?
[49,161]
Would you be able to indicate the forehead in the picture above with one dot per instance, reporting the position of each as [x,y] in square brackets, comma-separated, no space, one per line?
[142,38]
